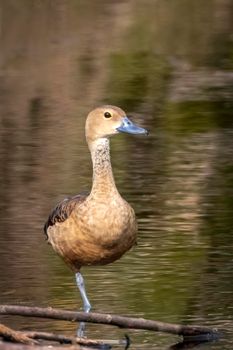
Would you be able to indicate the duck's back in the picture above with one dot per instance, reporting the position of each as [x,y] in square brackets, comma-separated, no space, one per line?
[63,210]
[59,226]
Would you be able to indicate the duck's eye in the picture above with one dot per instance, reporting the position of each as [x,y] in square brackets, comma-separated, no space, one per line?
[107,115]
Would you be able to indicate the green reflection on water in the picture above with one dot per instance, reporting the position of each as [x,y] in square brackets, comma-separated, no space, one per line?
[137,77]
[198,116]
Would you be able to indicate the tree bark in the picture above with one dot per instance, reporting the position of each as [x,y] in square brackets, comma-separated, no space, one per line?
[120,321]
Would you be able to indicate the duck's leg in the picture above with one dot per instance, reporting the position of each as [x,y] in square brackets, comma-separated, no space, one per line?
[81,287]
[86,303]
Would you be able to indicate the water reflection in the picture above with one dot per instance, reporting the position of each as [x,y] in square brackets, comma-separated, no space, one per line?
[60,60]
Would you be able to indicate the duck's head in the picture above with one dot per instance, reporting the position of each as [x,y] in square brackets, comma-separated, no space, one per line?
[106,121]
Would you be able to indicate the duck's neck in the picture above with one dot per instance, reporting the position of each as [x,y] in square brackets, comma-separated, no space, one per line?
[103,180]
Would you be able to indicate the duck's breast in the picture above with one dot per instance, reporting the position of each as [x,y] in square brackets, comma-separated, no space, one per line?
[97,232]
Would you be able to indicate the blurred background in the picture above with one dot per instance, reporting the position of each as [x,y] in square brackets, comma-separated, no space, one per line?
[169,64]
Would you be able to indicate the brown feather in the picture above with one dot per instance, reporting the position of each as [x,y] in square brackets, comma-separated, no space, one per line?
[63,210]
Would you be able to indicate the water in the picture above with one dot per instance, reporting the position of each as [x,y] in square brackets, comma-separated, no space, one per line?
[55,68]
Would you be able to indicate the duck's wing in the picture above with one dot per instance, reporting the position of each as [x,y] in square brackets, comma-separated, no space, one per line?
[63,210]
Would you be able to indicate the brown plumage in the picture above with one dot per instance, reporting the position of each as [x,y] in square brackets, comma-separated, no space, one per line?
[63,210]
[84,232]
[98,228]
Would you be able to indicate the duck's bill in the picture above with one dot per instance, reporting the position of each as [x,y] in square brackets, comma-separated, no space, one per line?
[130,128]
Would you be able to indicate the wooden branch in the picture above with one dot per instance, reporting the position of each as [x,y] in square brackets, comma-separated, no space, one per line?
[120,321]
[11,335]
[26,337]
[10,346]
[63,339]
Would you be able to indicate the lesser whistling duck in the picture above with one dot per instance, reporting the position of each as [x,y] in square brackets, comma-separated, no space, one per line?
[98,228]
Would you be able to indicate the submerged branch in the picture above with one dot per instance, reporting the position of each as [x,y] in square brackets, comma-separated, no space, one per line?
[10,334]
[10,346]
[116,320]
[28,337]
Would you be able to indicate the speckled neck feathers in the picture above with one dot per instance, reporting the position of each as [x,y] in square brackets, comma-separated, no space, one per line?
[103,180]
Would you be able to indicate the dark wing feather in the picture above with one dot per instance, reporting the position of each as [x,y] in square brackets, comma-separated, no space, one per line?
[63,210]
